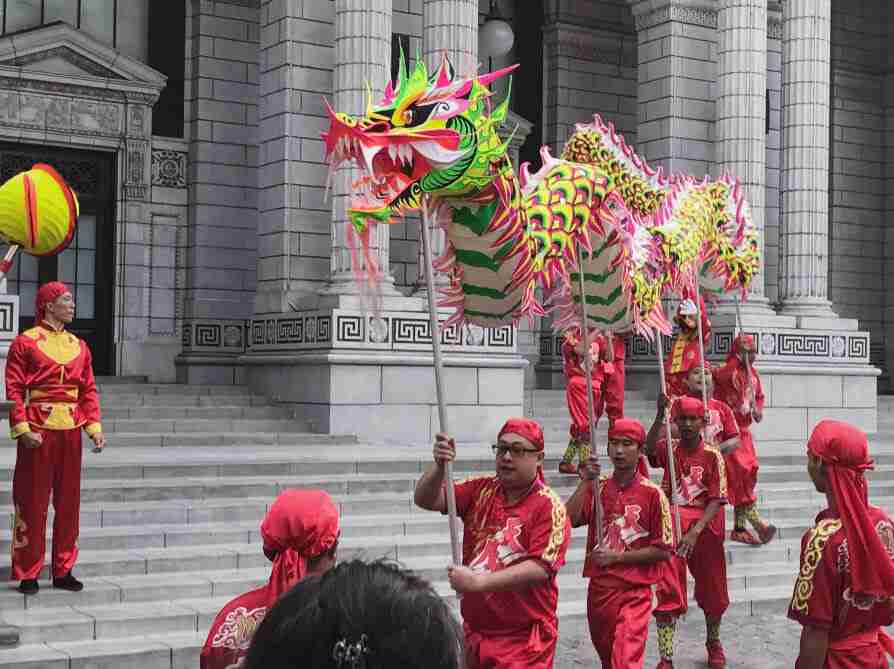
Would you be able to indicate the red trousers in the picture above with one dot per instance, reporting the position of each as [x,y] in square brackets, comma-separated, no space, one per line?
[532,649]
[707,564]
[611,400]
[56,467]
[741,471]
[619,624]
[576,396]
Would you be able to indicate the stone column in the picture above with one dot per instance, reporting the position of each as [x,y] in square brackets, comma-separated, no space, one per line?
[889,203]
[362,55]
[804,261]
[451,27]
[741,146]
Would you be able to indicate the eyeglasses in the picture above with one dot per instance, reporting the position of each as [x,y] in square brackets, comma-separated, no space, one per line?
[517,450]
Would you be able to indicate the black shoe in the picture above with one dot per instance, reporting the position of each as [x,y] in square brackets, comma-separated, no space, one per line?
[29,586]
[68,582]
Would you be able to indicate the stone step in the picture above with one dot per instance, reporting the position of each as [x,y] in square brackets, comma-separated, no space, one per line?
[776,483]
[120,400]
[207,412]
[193,425]
[172,389]
[244,440]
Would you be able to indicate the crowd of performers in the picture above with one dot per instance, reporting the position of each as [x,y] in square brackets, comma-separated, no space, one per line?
[516,528]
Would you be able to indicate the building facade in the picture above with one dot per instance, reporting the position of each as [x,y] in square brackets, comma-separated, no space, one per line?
[208,252]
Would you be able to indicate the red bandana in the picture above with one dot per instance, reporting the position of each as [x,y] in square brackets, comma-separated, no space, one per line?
[300,525]
[48,293]
[687,406]
[524,427]
[845,451]
[627,427]
[742,343]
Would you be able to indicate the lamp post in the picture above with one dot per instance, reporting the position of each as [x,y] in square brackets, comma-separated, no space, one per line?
[495,37]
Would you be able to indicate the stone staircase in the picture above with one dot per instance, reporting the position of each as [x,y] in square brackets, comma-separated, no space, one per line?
[170,534]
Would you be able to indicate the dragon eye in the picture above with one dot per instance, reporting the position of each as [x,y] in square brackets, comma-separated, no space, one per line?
[408,117]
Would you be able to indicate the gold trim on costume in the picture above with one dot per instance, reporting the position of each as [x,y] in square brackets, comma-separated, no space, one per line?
[810,560]
[667,527]
[557,532]
[19,429]
[93,428]
[60,347]
[677,352]
[721,468]
[60,417]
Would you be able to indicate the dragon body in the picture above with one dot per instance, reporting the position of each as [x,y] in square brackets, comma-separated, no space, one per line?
[431,144]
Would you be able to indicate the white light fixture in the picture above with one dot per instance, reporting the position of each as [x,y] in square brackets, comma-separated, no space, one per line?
[495,37]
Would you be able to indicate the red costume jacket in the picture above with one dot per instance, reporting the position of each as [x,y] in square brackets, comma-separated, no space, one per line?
[731,387]
[822,597]
[49,377]
[701,478]
[573,364]
[496,536]
[637,516]
[233,629]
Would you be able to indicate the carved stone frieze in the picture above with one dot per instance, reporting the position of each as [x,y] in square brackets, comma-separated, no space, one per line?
[680,13]
[168,168]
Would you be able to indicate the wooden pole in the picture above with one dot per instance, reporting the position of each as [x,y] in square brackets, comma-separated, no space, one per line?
[671,468]
[455,547]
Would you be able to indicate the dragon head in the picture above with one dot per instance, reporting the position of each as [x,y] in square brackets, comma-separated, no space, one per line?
[430,134]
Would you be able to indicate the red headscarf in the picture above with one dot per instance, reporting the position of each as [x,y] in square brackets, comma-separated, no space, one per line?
[687,406]
[742,343]
[627,427]
[845,451]
[300,525]
[47,293]
[530,430]
[524,427]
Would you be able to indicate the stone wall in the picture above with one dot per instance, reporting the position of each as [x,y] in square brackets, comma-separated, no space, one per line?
[774,157]
[889,188]
[222,96]
[590,66]
[857,166]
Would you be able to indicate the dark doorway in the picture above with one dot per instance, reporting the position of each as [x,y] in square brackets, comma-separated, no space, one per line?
[87,265]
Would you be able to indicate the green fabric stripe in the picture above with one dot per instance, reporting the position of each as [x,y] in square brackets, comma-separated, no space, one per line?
[595,278]
[609,321]
[482,291]
[477,259]
[601,301]
[476,221]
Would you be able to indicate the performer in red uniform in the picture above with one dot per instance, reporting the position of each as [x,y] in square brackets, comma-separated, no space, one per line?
[576,392]
[638,537]
[843,594]
[515,536]
[747,403]
[49,378]
[721,430]
[701,494]
[300,534]
[611,399]
[685,352]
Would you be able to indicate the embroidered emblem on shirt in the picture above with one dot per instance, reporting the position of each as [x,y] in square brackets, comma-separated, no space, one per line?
[238,628]
[810,560]
[501,549]
[691,486]
[712,428]
[625,529]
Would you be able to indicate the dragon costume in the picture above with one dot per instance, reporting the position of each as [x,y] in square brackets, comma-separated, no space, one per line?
[432,141]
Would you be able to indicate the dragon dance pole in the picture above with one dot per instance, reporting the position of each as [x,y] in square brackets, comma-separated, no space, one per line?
[701,342]
[6,263]
[671,473]
[455,548]
[588,370]
[747,361]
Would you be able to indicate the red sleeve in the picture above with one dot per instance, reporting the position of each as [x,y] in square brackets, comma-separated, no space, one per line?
[661,529]
[727,422]
[569,359]
[717,483]
[16,382]
[550,532]
[658,456]
[817,586]
[88,397]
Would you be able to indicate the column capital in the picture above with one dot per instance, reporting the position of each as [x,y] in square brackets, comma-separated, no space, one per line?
[650,13]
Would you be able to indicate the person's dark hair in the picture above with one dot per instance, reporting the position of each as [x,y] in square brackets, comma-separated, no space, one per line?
[384,616]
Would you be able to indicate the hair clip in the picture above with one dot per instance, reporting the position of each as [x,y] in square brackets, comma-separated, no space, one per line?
[350,655]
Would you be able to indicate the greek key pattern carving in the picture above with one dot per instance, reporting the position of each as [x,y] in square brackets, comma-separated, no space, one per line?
[697,16]
[794,345]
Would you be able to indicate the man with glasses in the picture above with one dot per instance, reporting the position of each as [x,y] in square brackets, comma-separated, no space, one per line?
[515,536]
[638,539]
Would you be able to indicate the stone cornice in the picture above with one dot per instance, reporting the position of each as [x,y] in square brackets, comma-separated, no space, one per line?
[651,13]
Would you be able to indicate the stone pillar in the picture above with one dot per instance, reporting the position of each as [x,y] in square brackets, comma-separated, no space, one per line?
[362,57]
[677,72]
[889,203]
[804,261]
[741,145]
[451,27]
